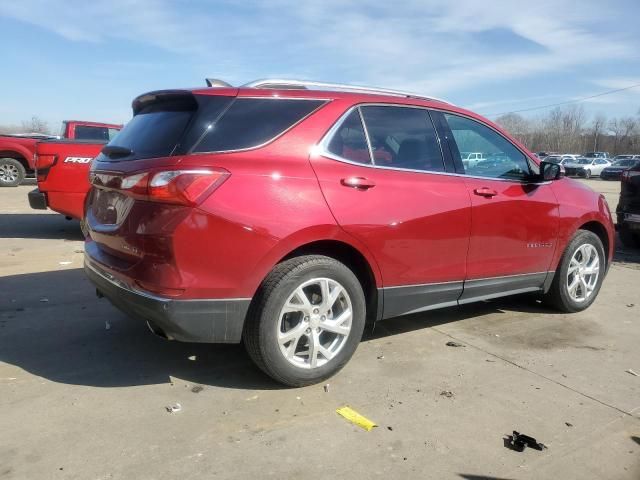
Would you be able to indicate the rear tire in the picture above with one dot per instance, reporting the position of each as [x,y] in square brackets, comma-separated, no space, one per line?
[301,299]
[587,174]
[12,172]
[628,238]
[583,254]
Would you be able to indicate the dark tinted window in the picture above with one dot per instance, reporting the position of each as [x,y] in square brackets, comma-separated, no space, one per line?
[100,134]
[166,126]
[250,122]
[349,141]
[403,137]
[501,158]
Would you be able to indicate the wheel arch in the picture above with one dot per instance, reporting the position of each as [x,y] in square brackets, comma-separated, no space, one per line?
[600,231]
[18,155]
[355,260]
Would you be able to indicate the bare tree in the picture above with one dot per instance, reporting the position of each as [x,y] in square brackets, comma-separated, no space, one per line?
[35,125]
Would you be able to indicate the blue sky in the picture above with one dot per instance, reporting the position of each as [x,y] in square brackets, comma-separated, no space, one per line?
[89,59]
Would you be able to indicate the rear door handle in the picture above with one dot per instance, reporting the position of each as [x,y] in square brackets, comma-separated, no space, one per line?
[485,192]
[359,183]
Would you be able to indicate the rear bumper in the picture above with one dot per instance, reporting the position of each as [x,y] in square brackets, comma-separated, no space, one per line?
[207,321]
[37,200]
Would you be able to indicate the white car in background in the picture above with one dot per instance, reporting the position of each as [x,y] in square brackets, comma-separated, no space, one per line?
[471,159]
[586,167]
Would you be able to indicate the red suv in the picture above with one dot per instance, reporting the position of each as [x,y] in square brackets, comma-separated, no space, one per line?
[289,214]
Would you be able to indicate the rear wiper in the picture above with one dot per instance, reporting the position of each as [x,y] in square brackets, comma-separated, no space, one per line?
[114,151]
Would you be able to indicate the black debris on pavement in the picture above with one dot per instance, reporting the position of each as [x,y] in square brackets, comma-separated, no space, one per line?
[454,344]
[519,441]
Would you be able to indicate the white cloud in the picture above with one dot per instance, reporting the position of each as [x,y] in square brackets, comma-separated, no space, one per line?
[419,45]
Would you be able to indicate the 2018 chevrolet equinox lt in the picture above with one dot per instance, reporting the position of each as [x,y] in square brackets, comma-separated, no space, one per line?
[289,214]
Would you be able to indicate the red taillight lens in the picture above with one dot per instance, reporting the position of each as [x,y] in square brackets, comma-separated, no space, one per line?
[185,187]
[182,187]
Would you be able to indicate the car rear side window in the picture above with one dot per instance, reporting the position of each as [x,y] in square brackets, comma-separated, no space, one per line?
[403,137]
[251,122]
[501,158]
[349,141]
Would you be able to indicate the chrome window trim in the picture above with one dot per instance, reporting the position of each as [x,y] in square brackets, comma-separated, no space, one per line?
[324,101]
[366,137]
[321,147]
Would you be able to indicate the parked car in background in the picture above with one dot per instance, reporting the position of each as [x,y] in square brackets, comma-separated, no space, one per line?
[288,214]
[596,155]
[62,172]
[614,171]
[472,159]
[626,156]
[561,159]
[17,152]
[542,155]
[586,167]
[628,210]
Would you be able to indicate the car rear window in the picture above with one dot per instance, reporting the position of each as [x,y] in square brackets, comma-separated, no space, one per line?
[251,122]
[167,126]
[99,134]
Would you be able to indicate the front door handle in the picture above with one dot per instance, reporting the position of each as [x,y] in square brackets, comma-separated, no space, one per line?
[485,192]
[359,183]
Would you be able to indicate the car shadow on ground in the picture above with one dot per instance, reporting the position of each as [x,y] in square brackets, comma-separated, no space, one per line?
[39,226]
[53,326]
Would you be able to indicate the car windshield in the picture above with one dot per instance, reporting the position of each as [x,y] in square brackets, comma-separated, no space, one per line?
[625,163]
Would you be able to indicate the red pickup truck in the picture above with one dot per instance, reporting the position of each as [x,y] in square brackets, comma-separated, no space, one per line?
[17,152]
[62,171]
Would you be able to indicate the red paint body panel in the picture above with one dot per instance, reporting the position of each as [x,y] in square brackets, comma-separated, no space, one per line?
[19,148]
[412,227]
[67,181]
[513,232]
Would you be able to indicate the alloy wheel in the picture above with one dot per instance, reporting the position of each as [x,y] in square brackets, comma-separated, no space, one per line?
[314,323]
[583,272]
[9,173]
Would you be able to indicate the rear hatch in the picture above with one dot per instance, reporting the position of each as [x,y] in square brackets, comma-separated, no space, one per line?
[122,221]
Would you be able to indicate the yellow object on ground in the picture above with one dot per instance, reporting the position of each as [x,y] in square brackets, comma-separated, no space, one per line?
[355,418]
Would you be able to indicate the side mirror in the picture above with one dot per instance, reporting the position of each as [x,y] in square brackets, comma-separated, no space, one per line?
[551,171]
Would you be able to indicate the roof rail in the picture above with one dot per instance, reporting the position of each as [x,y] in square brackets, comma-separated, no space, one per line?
[304,84]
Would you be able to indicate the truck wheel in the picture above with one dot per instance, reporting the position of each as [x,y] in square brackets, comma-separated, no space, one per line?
[628,238]
[12,172]
[579,276]
[306,321]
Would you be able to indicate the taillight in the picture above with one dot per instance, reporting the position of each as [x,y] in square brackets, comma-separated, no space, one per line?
[186,187]
[43,164]
[182,187]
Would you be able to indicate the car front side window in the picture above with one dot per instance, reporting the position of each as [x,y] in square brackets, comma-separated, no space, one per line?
[501,159]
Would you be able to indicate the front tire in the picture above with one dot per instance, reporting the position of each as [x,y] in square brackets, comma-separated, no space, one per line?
[580,273]
[306,320]
[12,172]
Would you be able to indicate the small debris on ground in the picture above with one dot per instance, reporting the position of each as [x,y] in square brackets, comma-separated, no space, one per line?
[64,263]
[326,388]
[192,358]
[44,300]
[197,389]
[380,357]
[635,374]
[519,441]
[78,251]
[354,417]
[174,408]
[107,325]
[390,428]
[631,305]
[255,397]
[446,393]
[568,424]
[454,344]
[489,360]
